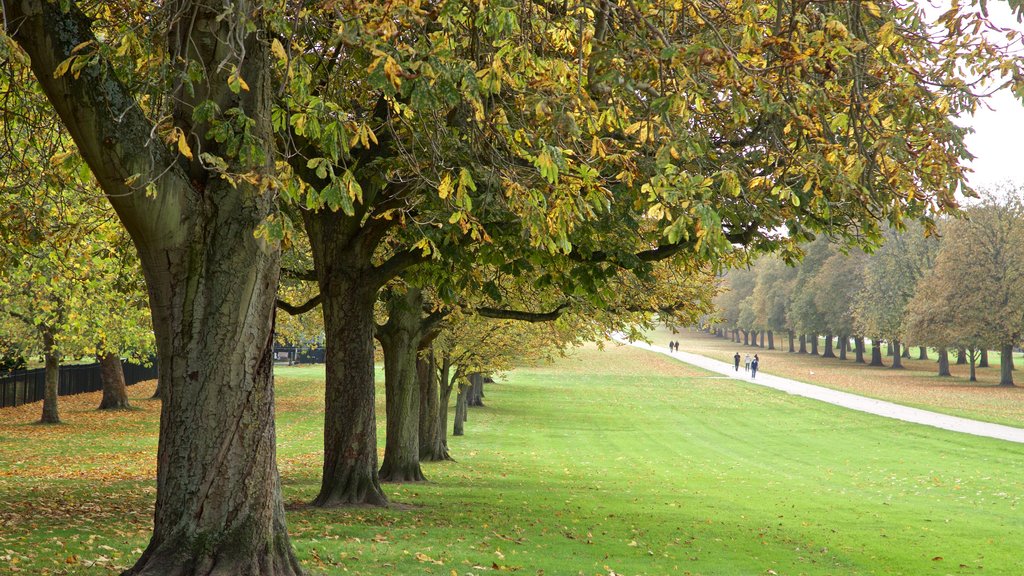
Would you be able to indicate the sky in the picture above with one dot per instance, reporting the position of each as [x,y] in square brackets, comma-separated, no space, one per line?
[998,141]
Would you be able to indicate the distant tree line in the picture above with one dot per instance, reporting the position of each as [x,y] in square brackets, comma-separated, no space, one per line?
[958,289]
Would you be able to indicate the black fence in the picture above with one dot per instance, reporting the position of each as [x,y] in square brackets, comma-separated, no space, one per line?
[24,386]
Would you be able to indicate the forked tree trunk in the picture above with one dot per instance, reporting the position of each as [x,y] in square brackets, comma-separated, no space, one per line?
[439,450]
[943,361]
[922,352]
[51,379]
[858,343]
[803,344]
[791,337]
[983,359]
[897,357]
[961,356]
[400,339]
[828,347]
[876,352]
[461,409]
[1006,365]
[426,376]
[771,340]
[348,292]
[115,393]
[211,280]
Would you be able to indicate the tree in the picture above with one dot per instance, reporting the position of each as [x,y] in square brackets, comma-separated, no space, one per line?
[835,288]
[192,209]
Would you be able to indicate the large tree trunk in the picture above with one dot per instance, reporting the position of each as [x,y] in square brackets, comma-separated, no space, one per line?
[858,343]
[426,375]
[115,393]
[876,352]
[1006,365]
[400,339]
[814,344]
[439,450]
[771,340]
[803,344]
[890,348]
[791,337]
[51,379]
[922,352]
[211,279]
[828,347]
[461,409]
[348,292]
[961,356]
[943,361]
[844,343]
[746,338]
[475,397]
[897,357]
[983,358]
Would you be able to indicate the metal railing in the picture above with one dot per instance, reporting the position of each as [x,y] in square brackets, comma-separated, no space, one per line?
[25,386]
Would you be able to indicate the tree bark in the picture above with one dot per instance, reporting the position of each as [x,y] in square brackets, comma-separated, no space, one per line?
[51,379]
[876,353]
[983,359]
[897,357]
[791,337]
[973,358]
[943,361]
[844,343]
[828,347]
[814,344]
[803,344]
[426,376]
[211,280]
[771,340]
[961,356]
[400,339]
[1006,365]
[461,410]
[344,274]
[475,398]
[746,338]
[439,450]
[115,393]
[858,343]
[922,352]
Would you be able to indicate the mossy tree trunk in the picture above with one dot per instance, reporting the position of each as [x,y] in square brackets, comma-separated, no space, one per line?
[115,392]
[1006,365]
[400,339]
[943,361]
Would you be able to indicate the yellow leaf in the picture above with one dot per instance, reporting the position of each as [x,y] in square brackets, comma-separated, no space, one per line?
[444,189]
[59,158]
[872,9]
[183,144]
[277,49]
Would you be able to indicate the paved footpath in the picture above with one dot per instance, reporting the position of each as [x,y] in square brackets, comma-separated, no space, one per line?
[845,399]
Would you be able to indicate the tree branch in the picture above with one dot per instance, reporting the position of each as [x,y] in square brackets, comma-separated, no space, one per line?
[520,315]
[301,308]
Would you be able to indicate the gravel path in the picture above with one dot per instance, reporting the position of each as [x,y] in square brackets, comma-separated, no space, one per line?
[845,399]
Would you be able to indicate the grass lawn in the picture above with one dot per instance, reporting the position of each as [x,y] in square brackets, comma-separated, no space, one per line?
[916,385]
[615,462]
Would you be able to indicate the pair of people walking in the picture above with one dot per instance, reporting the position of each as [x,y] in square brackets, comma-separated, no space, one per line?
[673,346]
[749,365]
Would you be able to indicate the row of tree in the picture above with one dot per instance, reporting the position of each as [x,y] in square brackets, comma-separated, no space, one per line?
[401,164]
[959,287]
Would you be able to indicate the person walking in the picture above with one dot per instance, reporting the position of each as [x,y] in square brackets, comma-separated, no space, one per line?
[746,363]
[736,359]
[753,367]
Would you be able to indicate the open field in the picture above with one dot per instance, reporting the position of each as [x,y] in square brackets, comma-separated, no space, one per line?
[614,462]
[916,385]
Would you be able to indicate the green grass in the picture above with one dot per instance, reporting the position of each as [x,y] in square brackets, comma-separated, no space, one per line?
[618,461]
